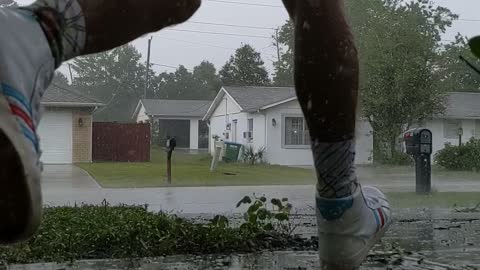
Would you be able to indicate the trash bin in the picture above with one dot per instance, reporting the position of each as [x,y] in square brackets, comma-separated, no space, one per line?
[232,150]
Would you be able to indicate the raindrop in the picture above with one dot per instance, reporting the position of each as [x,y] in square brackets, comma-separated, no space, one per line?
[309,105]
[306,25]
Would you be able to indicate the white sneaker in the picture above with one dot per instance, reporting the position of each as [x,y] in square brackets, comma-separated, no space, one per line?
[349,227]
[27,68]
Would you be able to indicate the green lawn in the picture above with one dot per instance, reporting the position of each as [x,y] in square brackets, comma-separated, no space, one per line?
[437,199]
[193,170]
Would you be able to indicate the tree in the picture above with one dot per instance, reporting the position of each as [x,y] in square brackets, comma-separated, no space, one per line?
[453,73]
[8,3]
[116,77]
[207,80]
[284,66]
[201,84]
[398,43]
[60,79]
[246,67]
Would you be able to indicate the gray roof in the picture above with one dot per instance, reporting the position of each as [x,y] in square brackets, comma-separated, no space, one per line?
[186,108]
[65,96]
[252,98]
[463,105]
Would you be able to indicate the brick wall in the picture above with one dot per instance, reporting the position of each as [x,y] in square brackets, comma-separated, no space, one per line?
[82,136]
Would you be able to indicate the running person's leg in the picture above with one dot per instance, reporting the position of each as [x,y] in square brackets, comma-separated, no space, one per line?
[34,41]
[350,218]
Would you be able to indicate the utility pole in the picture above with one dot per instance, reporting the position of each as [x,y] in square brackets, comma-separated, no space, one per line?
[147,74]
[278,44]
[71,76]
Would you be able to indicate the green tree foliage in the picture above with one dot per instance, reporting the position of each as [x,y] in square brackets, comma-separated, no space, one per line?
[399,44]
[453,73]
[116,77]
[246,67]
[201,84]
[284,66]
[207,79]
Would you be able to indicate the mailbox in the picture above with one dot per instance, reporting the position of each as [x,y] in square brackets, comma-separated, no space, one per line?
[418,141]
[171,144]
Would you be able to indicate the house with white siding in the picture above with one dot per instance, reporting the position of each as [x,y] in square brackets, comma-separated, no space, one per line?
[271,117]
[461,119]
[179,119]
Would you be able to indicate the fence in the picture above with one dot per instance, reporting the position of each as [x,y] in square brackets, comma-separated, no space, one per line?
[121,142]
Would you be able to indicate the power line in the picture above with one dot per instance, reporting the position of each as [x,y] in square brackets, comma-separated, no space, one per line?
[218,33]
[244,3]
[469,20]
[169,66]
[200,43]
[233,25]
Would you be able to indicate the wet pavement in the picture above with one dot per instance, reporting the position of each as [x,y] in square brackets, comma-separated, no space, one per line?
[437,235]
[69,185]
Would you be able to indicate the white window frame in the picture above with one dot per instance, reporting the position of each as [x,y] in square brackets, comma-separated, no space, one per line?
[477,129]
[449,124]
[250,128]
[306,142]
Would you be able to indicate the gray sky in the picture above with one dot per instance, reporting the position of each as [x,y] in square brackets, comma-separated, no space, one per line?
[173,48]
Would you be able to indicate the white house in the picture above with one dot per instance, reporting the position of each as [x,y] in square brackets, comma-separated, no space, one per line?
[271,117]
[462,115]
[181,119]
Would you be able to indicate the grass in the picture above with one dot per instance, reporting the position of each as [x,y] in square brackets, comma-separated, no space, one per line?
[436,199]
[437,171]
[193,170]
[105,232]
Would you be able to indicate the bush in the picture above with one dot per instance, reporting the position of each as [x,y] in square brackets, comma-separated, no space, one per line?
[250,156]
[105,232]
[464,157]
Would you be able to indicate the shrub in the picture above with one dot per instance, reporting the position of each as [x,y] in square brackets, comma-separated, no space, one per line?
[120,232]
[251,156]
[464,157]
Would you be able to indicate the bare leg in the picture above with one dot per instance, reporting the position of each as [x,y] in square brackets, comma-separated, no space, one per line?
[326,80]
[350,219]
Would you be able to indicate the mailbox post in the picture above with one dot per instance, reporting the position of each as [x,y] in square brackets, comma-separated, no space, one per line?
[418,143]
[171,144]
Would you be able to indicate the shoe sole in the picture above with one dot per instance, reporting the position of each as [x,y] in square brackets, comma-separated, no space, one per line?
[20,217]
[359,258]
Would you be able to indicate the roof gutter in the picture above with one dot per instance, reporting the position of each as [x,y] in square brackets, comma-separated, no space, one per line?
[72,104]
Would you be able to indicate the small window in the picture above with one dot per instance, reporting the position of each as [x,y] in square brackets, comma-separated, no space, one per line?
[451,128]
[296,132]
[250,128]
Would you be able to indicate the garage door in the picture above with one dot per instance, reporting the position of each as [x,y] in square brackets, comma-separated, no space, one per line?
[55,133]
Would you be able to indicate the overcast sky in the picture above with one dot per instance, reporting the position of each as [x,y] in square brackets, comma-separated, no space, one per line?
[173,48]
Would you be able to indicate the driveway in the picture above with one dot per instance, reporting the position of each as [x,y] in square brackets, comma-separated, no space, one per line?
[67,184]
